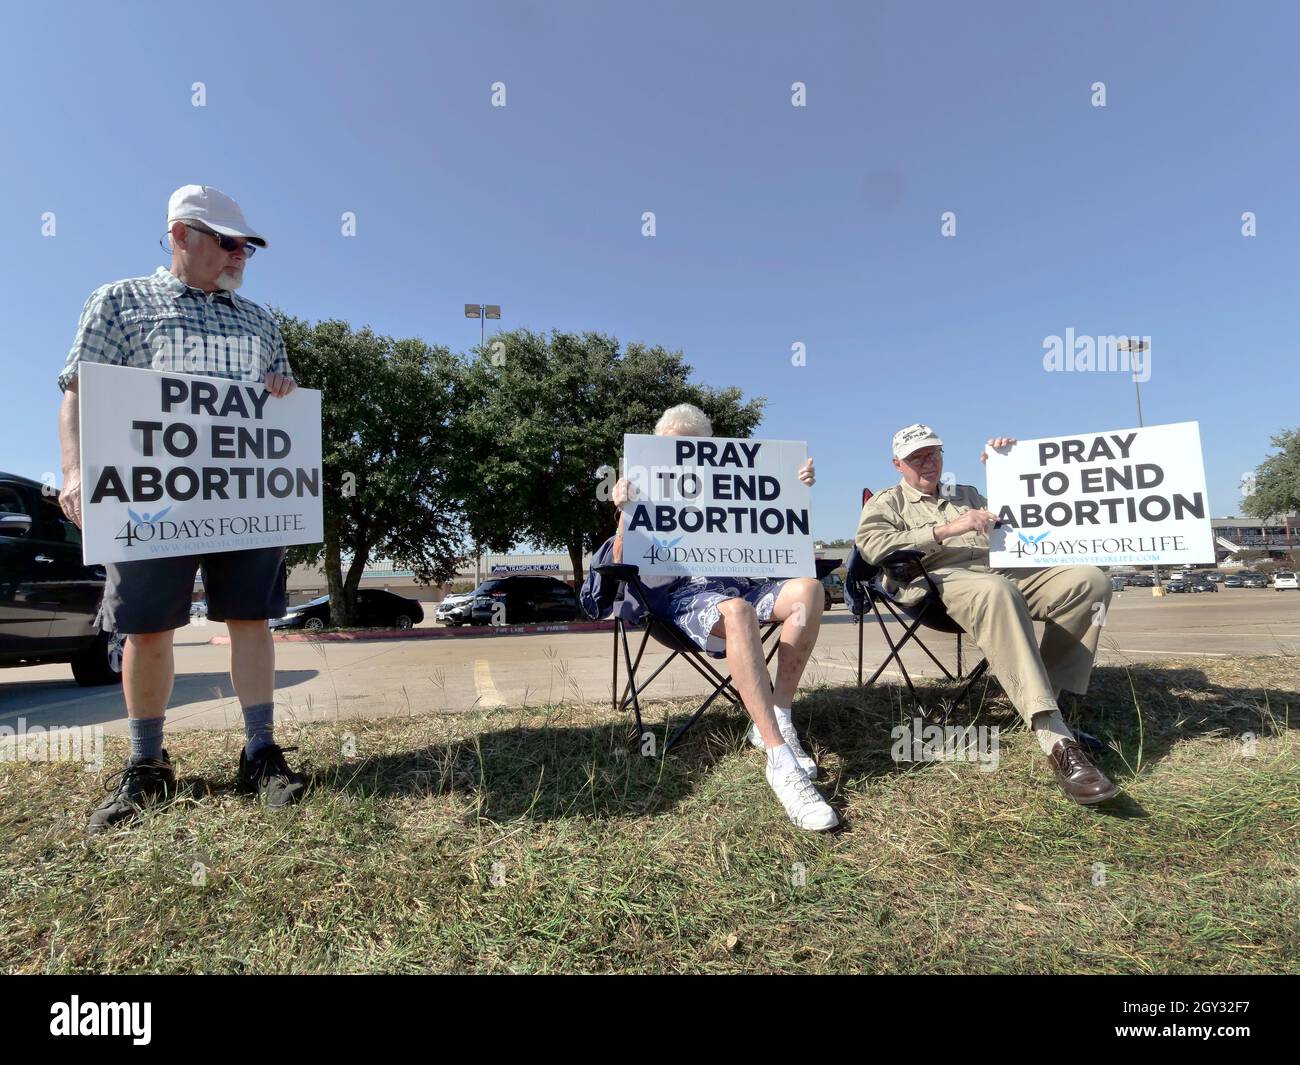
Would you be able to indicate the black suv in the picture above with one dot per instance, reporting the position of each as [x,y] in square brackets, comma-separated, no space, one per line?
[377,608]
[512,601]
[49,601]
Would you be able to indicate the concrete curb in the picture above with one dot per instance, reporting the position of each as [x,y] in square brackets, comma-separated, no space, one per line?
[432,633]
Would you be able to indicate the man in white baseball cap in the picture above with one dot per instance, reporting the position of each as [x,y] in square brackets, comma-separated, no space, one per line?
[948,524]
[148,322]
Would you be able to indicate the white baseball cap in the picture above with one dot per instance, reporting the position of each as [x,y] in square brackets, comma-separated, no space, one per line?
[913,438]
[212,207]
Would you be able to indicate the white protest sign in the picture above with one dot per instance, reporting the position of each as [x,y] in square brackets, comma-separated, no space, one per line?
[174,464]
[717,507]
[1125,497]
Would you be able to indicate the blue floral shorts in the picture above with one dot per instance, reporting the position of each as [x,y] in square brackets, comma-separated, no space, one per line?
[693,602]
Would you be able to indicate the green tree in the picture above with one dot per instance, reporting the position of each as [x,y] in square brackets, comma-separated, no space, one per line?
[545,428]
[392,483]
[1276,483]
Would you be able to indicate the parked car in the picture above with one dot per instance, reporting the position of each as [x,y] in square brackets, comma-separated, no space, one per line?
[1118,582]
[199,609]
[1232,580]
[1213,576]
[1176,585]
[1202,584]
[376,609]
[49,600]
[1254,580]
[514,600]
[1141,580]
[1284,579]
[834,585]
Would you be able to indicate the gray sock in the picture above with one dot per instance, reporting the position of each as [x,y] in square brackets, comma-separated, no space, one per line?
[1050,729]
[258,727]
[146,737]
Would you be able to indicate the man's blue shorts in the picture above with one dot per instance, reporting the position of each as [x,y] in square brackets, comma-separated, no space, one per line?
[154,594]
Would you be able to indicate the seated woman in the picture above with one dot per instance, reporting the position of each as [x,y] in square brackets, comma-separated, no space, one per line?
[721,615]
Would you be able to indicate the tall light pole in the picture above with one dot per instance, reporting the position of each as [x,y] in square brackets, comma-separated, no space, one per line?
[481,311]
[1131,344]
[1136,347]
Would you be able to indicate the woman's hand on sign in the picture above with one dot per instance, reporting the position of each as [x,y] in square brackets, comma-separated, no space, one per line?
[70,496]
[997,443]
[279,384]
[622,492]
[806,473]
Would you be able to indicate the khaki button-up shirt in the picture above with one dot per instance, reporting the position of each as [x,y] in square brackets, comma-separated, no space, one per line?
[903,518]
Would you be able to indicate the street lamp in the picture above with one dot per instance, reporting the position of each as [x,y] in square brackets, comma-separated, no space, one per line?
[1137,347]
[482,311]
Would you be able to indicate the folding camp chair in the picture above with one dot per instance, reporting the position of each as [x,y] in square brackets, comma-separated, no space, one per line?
[632,611]
[864,587]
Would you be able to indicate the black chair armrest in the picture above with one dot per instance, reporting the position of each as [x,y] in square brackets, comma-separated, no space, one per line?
[618,571]
[904,566]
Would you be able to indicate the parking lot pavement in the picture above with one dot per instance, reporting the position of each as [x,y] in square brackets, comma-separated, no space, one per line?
[336,681]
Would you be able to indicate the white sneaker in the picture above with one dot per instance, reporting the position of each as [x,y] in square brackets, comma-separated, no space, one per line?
[803,803]
[806,762]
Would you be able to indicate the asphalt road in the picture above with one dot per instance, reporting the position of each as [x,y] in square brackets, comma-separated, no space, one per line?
[335,681]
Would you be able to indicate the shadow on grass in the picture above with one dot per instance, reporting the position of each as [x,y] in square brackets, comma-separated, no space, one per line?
[562,770]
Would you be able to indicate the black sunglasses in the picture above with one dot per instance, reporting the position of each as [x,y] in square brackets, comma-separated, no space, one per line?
[227,243]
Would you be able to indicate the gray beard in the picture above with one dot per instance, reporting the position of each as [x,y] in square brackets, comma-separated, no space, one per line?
[228,281]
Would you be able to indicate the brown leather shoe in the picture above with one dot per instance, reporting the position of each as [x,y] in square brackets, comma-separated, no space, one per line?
[1079,778]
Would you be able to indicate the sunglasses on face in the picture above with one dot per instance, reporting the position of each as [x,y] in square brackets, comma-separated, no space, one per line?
[925,458]
[228,244]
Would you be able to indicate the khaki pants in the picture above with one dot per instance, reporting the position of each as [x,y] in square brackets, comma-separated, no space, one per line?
[997,608]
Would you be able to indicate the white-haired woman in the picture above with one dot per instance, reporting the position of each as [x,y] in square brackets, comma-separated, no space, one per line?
[721,615]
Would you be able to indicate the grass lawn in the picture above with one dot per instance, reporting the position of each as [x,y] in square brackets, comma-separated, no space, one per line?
[529,840]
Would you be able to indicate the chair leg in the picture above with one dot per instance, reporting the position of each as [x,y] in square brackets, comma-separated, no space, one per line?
[894,650]
[658,669]
[645,637]
[975,675]
[631,672]
[613,687]
[682,728]
[722,684]
[862,624]
[911,633]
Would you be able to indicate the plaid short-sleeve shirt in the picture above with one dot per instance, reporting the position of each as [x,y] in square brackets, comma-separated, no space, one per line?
[161,323]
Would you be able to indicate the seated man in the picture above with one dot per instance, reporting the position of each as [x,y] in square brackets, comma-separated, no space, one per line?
[721,616]
[996,607]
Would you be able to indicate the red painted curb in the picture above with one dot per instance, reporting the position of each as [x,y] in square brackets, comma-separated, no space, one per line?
[432,633]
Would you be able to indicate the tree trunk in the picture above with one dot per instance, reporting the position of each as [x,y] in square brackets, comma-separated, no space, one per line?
[334,577]
[575,557]
[360,556]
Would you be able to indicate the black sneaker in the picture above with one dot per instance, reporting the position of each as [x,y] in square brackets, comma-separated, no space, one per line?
[269,775]
[140,784]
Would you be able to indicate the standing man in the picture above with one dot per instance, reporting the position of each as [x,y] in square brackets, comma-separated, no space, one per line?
[997,608]
[138,322]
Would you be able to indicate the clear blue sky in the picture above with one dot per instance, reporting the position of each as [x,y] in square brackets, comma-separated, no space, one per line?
[775,224]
